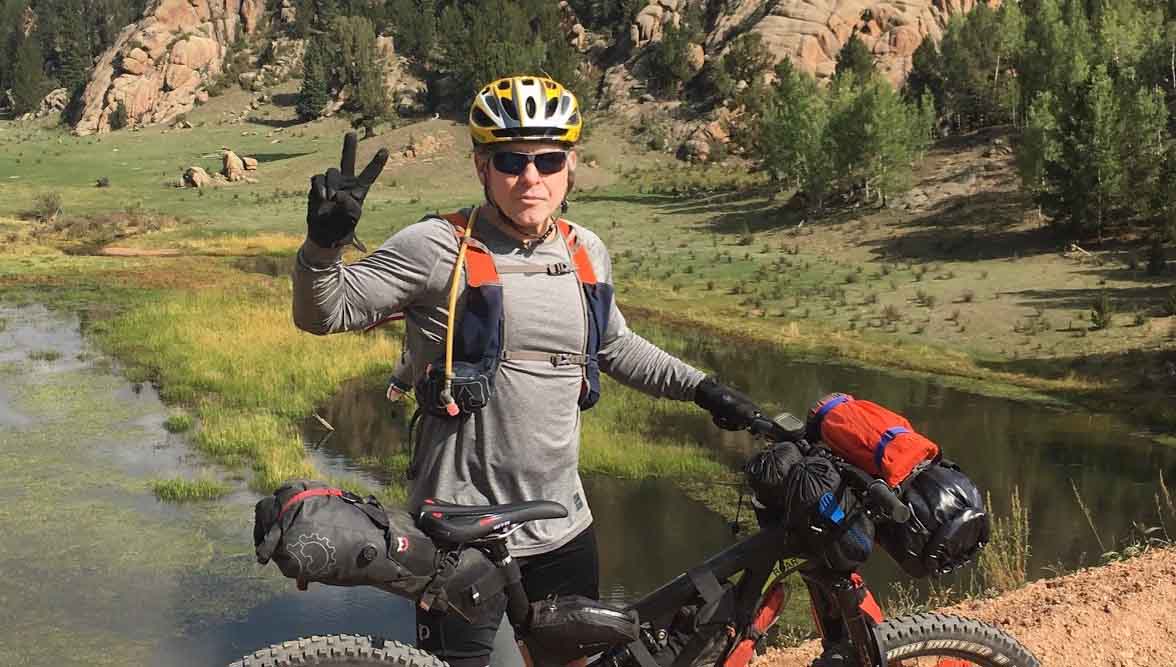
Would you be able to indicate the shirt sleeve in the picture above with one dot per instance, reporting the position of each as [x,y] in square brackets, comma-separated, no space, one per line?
[330,297]
[633,360]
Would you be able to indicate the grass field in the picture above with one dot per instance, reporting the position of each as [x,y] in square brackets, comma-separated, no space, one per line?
[188,286]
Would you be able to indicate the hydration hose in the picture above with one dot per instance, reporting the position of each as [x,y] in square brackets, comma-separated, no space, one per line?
[447,390]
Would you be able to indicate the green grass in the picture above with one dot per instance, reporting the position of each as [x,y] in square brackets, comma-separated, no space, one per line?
[44,355]
[178,423]
[179,490]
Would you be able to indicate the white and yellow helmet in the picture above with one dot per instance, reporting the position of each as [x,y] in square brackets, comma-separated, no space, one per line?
[524,108]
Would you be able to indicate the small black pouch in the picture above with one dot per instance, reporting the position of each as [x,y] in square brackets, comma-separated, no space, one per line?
[472,388]
[567,627]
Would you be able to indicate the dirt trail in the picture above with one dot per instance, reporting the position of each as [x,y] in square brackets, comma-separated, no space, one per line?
[1120,615]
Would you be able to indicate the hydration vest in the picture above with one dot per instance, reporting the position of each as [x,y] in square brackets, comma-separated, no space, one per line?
[479,344]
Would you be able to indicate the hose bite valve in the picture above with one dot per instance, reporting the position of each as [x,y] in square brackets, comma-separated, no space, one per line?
[447,398]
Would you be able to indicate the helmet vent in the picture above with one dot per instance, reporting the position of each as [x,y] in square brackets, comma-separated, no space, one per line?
[504,84]
[509,108]
[530,106]
[481,119]
[552,104]
[575,118]
[528,82]
[565,101]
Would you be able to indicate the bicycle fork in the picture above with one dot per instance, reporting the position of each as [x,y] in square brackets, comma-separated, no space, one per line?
[845,610]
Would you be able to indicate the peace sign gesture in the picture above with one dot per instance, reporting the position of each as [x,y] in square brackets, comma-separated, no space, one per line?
[335,201]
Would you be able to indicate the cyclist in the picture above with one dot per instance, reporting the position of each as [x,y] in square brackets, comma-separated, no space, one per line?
[524,444]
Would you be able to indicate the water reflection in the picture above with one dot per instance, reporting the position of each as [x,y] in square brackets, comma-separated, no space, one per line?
[650,531]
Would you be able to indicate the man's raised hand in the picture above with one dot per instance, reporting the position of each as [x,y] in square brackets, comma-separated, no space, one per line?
[335,201]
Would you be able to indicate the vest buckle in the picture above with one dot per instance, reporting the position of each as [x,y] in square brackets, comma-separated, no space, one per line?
[558,269]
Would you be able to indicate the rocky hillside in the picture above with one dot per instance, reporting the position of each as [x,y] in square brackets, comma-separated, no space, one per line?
[162,65]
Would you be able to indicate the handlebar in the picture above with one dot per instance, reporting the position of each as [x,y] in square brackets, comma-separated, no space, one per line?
[877,494]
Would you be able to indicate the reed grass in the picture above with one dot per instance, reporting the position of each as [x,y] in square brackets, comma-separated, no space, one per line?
[1004,563]
[179,490]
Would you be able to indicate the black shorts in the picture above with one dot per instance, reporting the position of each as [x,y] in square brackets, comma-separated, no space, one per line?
[573,569]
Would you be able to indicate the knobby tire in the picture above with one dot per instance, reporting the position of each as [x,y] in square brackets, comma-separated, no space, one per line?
[340,651]
[906,639]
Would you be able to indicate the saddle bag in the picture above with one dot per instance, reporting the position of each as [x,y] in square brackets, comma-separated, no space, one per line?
[567,627]
[316,533]
[880,442]
[948,524]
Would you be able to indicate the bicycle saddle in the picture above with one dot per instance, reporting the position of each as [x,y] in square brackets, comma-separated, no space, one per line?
[459,524]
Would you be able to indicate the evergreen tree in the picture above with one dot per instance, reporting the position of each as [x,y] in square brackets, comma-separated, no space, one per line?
[1144,149]
[668,62]
[361,70]
[315,91]
[1040,145]
[414,25]
[28,79]
[855,58]
[1088,178]
[926,75]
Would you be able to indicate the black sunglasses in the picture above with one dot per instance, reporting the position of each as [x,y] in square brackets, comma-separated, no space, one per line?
[514,164]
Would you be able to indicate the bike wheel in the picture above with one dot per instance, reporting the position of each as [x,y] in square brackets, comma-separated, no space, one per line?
[938,640]
[340,651]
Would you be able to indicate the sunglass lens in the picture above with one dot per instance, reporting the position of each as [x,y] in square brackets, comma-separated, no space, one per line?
[550,163]
[510,163]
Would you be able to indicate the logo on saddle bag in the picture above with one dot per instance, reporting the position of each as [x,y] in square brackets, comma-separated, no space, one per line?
[314,554]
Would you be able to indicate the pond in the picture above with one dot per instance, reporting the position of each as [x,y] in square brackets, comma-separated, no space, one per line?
[1043,452]
[99,572]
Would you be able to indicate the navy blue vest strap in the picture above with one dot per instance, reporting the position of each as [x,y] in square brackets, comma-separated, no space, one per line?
[887,435]
[832,403]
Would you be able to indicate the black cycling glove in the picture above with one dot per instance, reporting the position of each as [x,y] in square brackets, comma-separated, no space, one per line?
[730,409]
[335,201]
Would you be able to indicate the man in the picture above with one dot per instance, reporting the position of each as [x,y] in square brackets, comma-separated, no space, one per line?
[534,311]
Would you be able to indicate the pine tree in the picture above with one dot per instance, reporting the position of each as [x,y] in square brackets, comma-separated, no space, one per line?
[1040,146]
[28,79]
[1091,183]
[855,58]
[315,91]
[668,61]
[926,75]
[361,70]
[1144,149]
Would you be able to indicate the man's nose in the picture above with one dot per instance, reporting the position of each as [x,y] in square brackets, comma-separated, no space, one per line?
[530,175]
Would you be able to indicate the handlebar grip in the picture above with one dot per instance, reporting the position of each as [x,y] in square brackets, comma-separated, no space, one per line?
[879,496]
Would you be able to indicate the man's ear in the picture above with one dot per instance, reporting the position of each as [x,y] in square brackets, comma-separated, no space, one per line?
[573,160]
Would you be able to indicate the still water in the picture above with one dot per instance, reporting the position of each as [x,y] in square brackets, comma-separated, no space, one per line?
[98,572]
[650,531]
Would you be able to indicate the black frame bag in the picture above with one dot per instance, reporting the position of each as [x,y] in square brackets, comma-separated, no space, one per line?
[567,627]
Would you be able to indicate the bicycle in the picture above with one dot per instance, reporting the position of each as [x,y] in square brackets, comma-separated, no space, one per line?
[717,613]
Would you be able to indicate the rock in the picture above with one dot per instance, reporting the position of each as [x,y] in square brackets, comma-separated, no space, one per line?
[196,177]
[250,180]
[182,124]
[694,149]
[695,57]
[202,96]
[592,164]
[156,66]
[812,32]
[54,102]
[232,167]
[250,163]
[426,145]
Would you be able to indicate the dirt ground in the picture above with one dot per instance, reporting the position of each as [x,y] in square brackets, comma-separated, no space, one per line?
[1119,615]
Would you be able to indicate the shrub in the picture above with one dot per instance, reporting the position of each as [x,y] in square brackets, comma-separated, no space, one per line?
[1102,311]
[119,117]
[968,296]
[891,313]
[102,182]
[1170,302]
[48,207]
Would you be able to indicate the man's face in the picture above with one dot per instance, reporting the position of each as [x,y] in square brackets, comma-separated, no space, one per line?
[527,179]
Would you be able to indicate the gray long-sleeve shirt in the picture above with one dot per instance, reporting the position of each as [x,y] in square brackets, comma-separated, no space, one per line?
[525,444]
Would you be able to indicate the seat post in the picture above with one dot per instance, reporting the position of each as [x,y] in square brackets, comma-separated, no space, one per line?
[518,607]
